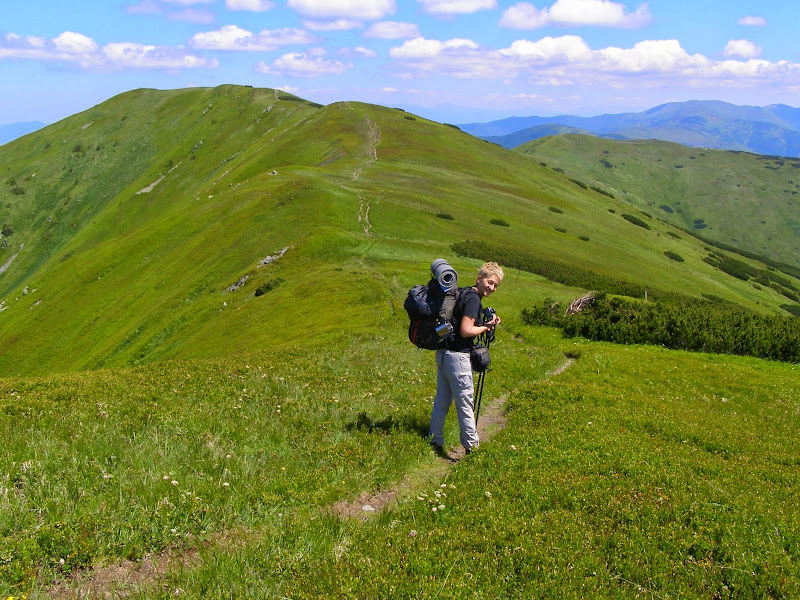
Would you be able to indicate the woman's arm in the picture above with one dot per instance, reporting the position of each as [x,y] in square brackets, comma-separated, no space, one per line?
[468,329]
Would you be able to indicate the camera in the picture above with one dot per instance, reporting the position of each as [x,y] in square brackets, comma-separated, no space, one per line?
[488,314]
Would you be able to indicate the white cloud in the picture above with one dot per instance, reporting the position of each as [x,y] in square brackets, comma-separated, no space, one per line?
[564,49]
[249,5]
[751,21]
[337,25]
[742,49]
[568,60]
[367,52]
[457,7]
[302,65]
[424,48]
[140,56]
[392,30]
[74,43]
[188,2]
[145,7]
[192,15]
[389,90]
[83,51]
[343,9]
[231,37]
[570,13]
[288,88]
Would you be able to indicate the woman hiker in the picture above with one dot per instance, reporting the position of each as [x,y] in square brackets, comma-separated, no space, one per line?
[454,381]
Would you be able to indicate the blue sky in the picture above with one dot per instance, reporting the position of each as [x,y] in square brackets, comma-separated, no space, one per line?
[451,60]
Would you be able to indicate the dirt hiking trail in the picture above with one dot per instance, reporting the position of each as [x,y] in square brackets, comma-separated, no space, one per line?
[122,579]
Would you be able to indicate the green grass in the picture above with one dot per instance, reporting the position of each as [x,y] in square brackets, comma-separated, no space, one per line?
[127,366]
[739,199]
[638,472]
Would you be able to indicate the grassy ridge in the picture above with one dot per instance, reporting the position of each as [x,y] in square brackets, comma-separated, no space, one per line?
[739,199]
[143,276]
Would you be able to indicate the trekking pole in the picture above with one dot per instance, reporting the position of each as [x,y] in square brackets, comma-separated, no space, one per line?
[479,386]
[479,389]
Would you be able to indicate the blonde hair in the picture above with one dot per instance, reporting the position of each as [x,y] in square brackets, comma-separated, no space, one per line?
[491,268]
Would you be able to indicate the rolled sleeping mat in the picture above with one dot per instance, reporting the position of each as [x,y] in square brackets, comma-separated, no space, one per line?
[444,274]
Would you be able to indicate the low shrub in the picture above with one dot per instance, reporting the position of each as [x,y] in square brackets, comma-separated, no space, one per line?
[674,256]
[635,221]
[675,235]
[560,229]
[446,216]
[553,270]
[409,117]
[500,222]
[602,191]
[681,324]
[555,209]
[585,238]
[268,286]
[579,183]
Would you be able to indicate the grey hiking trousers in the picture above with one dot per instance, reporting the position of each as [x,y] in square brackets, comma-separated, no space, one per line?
[454,384]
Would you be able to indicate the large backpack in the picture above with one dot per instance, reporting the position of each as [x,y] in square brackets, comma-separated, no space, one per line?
[430,310]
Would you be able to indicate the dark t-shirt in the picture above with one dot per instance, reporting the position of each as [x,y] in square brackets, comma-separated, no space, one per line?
[468,304]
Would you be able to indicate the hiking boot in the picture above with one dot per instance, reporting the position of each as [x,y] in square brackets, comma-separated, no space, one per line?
[439,450]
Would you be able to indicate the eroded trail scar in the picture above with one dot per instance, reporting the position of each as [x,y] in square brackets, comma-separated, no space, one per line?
[363,215]
[373,138]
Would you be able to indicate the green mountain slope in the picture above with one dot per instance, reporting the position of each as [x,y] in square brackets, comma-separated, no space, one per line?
[742,200]
[128,224]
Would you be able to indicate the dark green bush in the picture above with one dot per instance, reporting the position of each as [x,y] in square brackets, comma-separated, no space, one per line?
[674,256]
[18,191]
[635,221]
[7,231]
[792,308]
[675,235]
[555,209]
[666,208]
[612,211]
[560,229]
[602,191]
[500,222]
[579,183]
[605,163]
[409,117]
[682,324]
[585,238]
[268,286]
[553,270]
[446,216]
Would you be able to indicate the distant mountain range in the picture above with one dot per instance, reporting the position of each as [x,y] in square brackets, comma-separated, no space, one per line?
[770,130]
[14,130]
